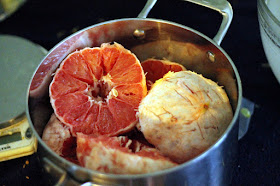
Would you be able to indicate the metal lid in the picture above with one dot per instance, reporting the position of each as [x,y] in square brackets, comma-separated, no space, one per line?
[18,61]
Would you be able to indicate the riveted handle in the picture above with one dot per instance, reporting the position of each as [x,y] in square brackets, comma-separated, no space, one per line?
[222,6]
[147,8]
[225,9]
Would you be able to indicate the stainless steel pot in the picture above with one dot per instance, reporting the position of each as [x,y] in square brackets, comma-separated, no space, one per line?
[150,38]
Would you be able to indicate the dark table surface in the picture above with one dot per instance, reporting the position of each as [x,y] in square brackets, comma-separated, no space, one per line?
[48,22]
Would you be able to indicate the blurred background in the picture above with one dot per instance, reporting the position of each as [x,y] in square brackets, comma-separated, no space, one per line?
[47,22]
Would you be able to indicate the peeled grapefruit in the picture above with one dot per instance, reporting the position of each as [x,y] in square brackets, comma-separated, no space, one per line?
[184,114]
[155,69]
[97,90]
[59,138]
[119,155]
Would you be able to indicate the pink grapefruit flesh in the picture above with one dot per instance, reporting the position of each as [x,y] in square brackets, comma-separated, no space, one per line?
[98,90]
[156,69]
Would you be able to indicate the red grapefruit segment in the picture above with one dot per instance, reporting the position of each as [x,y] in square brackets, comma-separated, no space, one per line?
[110,54]
[124,69]
[66,84]
[93,58]
[119,155]
[119,109]
[76,66]
[106,121]
[156,69]
[131,94]
[97,90]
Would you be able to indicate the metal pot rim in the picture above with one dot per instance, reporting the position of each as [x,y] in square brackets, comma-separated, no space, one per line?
[163,172]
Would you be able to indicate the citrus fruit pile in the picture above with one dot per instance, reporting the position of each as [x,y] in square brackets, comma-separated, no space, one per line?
[114,114]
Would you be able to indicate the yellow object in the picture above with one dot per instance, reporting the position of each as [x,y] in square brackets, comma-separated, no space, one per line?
[17,141]
[11,5]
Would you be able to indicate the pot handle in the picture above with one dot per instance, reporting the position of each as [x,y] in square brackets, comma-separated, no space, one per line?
[147,8]
[60,175]
[63,178]
[222,6]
